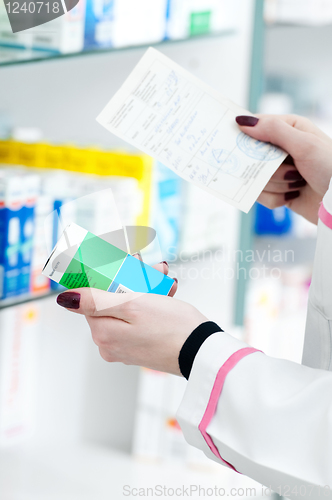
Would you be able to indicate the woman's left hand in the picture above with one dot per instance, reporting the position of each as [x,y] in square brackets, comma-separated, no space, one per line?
[136,329]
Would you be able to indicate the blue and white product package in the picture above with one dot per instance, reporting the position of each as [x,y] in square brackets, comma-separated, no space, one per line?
[83,260]
[31,189]
[11,197]
[121,23]
[168,209]
[42,242]
[99,23]
[66,34]
[58,187]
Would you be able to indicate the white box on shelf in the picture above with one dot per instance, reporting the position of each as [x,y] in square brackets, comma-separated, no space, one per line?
[18,362]
[138,23]
[193,17]
[39,283]
[11,212]
[31,187]
[157,435]
[306,12]
[107,204]
[123,23]
[63,35]
[208,223]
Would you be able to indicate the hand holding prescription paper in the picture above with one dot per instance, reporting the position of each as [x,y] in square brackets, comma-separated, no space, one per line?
[174,117]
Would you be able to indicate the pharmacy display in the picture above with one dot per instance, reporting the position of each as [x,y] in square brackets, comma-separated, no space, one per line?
[32,194]
[166,112]
[93,25]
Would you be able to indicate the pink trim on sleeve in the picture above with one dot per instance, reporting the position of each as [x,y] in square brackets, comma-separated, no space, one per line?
[325,216]
[231,362]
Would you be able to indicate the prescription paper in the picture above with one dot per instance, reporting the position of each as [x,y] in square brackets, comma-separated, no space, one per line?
[172,116]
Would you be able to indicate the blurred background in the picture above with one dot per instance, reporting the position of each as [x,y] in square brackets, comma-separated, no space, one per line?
[73,427]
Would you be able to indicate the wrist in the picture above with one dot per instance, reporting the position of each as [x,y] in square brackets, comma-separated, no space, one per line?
[192,345]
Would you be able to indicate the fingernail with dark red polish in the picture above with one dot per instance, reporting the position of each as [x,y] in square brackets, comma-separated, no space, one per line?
[164,262]
[289,161]
[247,121]
[298,184]
[292,196]
[176,280]
[293,175]
[70,300]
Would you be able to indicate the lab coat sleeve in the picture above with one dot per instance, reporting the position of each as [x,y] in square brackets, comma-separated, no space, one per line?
[317,351]
[268,418]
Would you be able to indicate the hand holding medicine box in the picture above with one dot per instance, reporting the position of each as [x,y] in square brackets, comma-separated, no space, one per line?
[82,260]
[172,116]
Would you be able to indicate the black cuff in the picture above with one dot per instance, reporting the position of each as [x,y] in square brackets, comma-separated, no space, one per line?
[192,345]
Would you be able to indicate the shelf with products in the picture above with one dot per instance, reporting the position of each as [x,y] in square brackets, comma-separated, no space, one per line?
[77,392]
[81,190]
[25,299]
[91,27]
[298,12]
[296,84]
[46,187]
[13,56]
[225,46]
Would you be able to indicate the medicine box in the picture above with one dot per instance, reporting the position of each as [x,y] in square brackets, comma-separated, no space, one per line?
[11,203]
[81,259]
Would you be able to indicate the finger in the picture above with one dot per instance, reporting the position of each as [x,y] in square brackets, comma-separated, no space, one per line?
[174,288]
[286,173]
[107,355]
[277,131]
[275,200]
[289,161]
[284,187]
[300,123]
[162,267]
[307,205]
[94,302]
[105,331]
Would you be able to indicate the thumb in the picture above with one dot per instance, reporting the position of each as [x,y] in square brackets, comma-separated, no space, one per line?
[275,130]
[94,302]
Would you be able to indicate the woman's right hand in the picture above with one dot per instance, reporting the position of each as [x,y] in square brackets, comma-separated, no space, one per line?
[303,179]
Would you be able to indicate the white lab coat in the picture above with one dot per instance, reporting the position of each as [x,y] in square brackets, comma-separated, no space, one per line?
[268,418]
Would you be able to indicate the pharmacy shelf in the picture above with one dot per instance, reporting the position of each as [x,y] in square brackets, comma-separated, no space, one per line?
[290,24]
[25,298]
[255,92]
[12,55]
